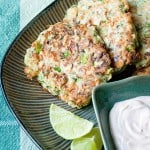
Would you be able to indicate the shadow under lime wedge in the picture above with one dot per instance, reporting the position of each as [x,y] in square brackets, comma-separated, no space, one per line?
[91,141]
[68,125]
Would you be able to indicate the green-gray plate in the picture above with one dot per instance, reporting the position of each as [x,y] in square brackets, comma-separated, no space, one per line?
[106,95]
[28,102]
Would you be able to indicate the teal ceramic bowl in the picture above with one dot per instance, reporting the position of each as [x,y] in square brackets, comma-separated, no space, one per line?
[106,95]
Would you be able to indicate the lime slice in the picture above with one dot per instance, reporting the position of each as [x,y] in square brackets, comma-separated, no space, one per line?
[68,125]
[91,141]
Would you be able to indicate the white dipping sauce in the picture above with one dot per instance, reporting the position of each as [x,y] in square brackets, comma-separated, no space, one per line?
[130,124]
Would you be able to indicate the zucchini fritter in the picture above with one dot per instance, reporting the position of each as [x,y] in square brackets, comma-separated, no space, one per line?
[114,21]
[69,62]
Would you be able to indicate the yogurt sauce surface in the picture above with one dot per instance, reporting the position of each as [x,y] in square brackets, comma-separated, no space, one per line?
[130,124]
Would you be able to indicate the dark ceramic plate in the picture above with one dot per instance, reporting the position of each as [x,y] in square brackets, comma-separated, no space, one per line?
[106,95]
[29,103]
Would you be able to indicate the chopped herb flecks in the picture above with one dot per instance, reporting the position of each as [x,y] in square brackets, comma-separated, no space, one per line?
[129,48]
[58,69]
[148,25]
[66,54]
[75,79]
[84,58]
[38,47]
[123,8]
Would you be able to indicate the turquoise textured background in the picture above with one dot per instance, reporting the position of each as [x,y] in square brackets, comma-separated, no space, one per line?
[9,28]
[14,15]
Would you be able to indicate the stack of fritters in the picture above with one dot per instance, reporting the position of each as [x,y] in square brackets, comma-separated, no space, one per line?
[95,40]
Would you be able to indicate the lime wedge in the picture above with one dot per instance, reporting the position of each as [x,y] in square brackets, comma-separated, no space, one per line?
[68,125]
[84,144]
[91,141]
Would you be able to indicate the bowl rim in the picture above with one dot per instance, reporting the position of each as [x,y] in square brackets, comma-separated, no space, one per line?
[9,49]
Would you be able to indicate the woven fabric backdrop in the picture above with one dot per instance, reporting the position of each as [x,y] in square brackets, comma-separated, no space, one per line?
[14,15]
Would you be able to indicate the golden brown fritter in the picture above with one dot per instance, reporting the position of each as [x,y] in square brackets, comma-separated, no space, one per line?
[114,21]
[69,62]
